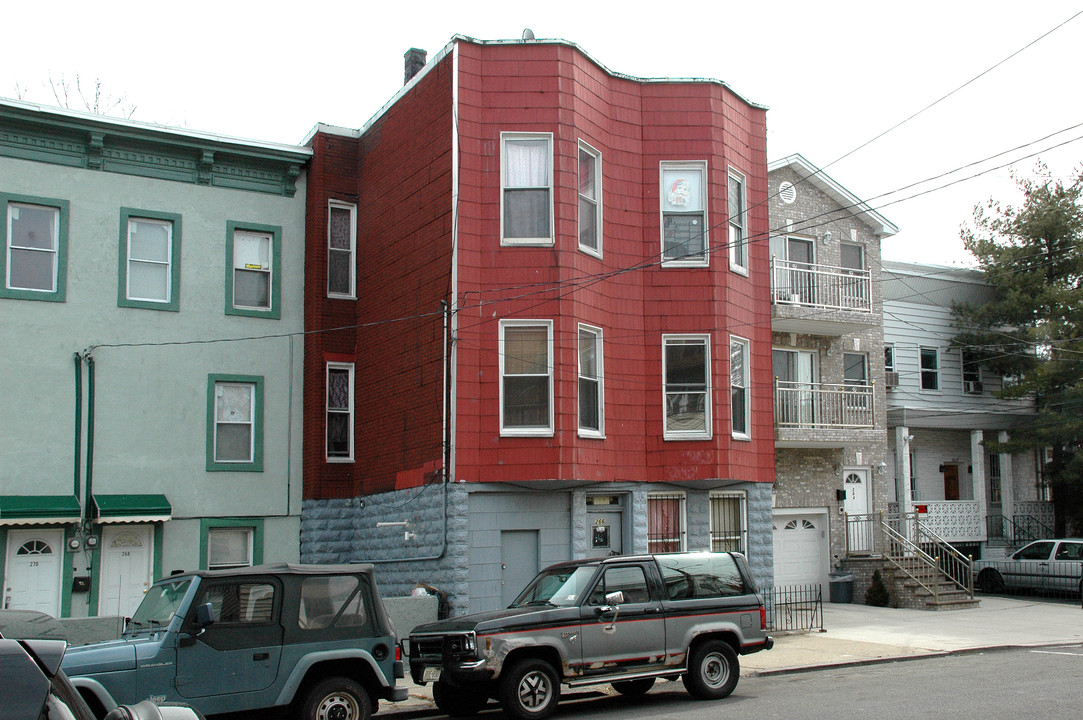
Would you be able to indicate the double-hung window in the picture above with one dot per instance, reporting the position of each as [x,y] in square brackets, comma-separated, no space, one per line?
[687,390]
[230,542]
[591,389]
[590,200]
[738,223]
[526,179]
[526,377]
[253,273]
[340,411]
[235,423]
[149,260]
[341,250]
[739,384]
[35,237]
[930,368]
[684,213]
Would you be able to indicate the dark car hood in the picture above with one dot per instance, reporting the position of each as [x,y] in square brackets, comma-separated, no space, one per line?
[498,619]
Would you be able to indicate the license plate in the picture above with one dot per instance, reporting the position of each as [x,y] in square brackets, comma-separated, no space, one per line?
[431,674]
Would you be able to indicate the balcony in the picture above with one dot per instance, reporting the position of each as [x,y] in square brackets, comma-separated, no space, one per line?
[824,415]
[820,299]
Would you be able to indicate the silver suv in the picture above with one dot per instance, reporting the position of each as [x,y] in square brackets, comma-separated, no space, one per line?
[625,620]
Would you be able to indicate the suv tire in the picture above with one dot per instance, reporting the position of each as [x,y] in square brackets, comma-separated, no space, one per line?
[458,701]
[336,698]
[530,690]
[713,670]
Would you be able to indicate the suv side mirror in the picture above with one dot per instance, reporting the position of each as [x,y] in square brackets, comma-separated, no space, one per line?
[205,615]
[614,598]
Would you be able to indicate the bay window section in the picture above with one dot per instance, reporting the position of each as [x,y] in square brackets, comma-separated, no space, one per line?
[526,377]
[526,172]
[739,386]
[591,402]
[590,200]
[685,368]
[738,224]
[684,213]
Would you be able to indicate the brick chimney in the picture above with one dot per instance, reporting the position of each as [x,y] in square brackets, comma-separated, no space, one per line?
[415,60]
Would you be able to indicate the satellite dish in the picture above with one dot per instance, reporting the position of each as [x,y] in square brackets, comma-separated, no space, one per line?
[528,34]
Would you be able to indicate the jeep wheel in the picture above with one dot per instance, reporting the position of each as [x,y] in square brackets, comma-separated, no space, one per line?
[530,690]
[336,698]
[713,670]
[458,701]
[634,688]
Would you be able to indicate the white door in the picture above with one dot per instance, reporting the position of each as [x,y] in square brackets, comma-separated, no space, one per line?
[856,506]
[32,570]
[126,568]
[800,543]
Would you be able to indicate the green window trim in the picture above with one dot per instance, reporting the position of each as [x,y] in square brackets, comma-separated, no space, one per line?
[256,464]
[173,304]
[275,231]
[58,295]
[255,524]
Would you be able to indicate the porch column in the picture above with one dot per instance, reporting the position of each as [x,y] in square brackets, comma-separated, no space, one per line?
[977,478]
[902,470]
[1007,481]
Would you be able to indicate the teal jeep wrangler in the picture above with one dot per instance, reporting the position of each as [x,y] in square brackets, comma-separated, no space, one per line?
[311,638]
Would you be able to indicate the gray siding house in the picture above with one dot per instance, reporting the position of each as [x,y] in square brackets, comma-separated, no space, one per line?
[941,408]
[831,451]
[151,288]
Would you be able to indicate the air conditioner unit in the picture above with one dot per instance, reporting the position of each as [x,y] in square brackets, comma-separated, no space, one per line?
[972,386]
[891,379]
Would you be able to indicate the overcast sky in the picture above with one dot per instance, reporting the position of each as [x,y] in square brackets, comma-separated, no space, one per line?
[834,75]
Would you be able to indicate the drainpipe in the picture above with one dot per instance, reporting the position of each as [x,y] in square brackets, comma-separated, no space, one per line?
[78,428]
[89,434]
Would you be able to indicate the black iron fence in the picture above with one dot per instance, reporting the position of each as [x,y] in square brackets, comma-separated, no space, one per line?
[794,607]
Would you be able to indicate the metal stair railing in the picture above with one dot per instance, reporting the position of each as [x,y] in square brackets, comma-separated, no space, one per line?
[1029,529]
[953,564]
[898,549]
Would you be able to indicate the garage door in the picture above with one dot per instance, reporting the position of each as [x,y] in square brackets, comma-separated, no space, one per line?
[800,549]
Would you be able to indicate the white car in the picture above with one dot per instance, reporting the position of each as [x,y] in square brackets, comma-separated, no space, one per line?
[1043,565]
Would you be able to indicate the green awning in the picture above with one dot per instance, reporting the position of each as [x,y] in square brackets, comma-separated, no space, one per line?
[132,508]
[38,509]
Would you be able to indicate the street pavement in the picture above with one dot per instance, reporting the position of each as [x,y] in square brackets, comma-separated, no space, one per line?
[858,634]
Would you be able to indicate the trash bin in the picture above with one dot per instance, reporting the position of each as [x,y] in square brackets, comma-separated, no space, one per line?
[841,588]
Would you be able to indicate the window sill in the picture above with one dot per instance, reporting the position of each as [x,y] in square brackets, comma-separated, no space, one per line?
[739,269]
[741,436]
[531,432]
[685,263]
[526,242]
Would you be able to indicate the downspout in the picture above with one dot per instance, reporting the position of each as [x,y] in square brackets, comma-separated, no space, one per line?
[78,359]
[89,434]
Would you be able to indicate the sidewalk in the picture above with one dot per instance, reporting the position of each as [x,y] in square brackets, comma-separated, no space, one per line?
[856,634]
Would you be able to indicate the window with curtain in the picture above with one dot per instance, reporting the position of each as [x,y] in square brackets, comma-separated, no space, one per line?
[665,522]
[340,414]
[234,418]
[33,247]
[229,547]
[526,377]
[150,251]
[341,246]
[684,213]
[527,180]
[251,269]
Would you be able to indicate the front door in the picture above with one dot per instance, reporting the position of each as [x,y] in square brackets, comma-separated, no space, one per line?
[856,507]
[518,562]
[951,482]
[606,531]
[32,570]
[126,568]
[629,635]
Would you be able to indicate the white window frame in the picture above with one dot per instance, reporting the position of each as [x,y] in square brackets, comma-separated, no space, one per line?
[167,264]
[269,270]
[742,498]
[249,534]
[922,370]
[505,138]
[738,223]
[596,200]
[706,433]
[10,246]
[349,412]
[599,380]
[333,204]
[687,261]
[682,528]
[533,430]
[744,384]
[253,409]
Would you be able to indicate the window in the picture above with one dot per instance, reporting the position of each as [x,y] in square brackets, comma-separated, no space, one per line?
[889,358]
[526,171]
[738,237]
[626,579]
[246,603]
[992,464]
[854,369]
[739,382]
[930,369]
[253,274]
[526,377]
[685,363]
[665,522]
[35,238]
[590,200]
[971,373]
[701,575]
[684,213]
[149,260]
[341,246]
[591,405]
[340,411]
[230,542]
[235,423]
[337,599]
[729,526]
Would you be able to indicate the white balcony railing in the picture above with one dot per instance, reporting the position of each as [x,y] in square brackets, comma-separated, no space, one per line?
[820,286]
[823,405]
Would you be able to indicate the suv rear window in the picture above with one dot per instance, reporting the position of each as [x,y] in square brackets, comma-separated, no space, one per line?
[323,599]
[700,575]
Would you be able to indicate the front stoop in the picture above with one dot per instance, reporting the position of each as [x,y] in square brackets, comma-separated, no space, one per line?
[906,592]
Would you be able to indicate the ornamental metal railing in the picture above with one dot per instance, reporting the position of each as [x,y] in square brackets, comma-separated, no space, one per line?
[794,608]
